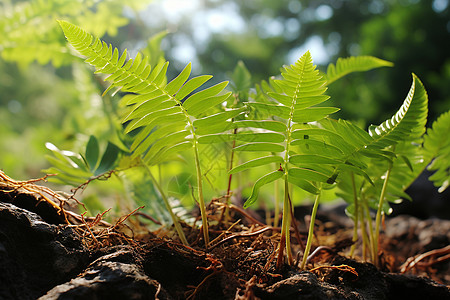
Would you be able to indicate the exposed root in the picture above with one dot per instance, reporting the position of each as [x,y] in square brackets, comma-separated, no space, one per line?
[245,234]
[94,231]
[9,185]
[344,268]
[434,257]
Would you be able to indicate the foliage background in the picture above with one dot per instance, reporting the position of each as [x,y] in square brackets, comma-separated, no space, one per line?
[49,95]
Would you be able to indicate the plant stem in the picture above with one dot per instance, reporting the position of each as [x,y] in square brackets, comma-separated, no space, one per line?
[169,208]
[201,201]
[378,217]
[288,231]
[311,230]
[285,226]
[369,222]
[276,218]
[365,238]
[356,214]
[226,214]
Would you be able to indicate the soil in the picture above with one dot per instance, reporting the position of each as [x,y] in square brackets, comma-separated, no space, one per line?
[51,253]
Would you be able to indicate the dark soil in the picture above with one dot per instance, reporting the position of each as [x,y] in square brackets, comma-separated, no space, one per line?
[43,257]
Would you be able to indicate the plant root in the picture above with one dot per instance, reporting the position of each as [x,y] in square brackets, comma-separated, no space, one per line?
[435,256]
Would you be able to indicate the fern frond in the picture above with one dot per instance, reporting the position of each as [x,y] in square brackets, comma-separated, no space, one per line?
[296,97]
[397,141]
[438,147]
[345,66]
[170,113]
[409,121]
[157,105]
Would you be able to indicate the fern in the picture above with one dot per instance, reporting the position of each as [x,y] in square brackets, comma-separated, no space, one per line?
[403,130]
[303,89]
[170,114]
[338,145]
[352,64]
[399,136]
[438,148]
[299,92]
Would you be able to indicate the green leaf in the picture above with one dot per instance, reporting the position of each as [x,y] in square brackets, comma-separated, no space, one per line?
[304,185]
[407,161]
[256,163]
[92,153]
[176,83]
[163,116]
[215,128]
[273,109]
[201,108]
[438,148]
[167,141]
[350,168]
[260,137]
[308,174]
[151,107]
[108,159]
[272,176]
[263,124]
[320,132]
[352,64]
[192,85]
[242,136]
[409,121]
[271,147]
[205,94]
[218,118]
[313,159]
[241,78]
[216,138]
[167,152]
[313,146]
[312,114]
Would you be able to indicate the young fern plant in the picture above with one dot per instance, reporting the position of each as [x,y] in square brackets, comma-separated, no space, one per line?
[308,155]
[302,88]
[169,115]
[379,150]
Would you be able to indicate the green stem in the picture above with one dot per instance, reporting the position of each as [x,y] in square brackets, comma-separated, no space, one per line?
[169,208]
[201,201]
[288,228]
[356,214]
[378,217]
[285,226]
[276,219]
[365,238]
[311,231]
[370,226]
[226,213]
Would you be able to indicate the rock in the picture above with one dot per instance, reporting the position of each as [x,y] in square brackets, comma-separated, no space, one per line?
[35,255]
[113,276]
[301,286]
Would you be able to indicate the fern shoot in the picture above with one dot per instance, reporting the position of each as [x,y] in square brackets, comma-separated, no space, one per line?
[378,150]
[294,106]
[167,114]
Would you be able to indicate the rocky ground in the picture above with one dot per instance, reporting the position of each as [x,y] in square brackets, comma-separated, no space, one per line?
[44,257]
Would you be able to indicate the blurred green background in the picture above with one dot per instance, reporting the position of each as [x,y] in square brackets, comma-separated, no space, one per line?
[47,93]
